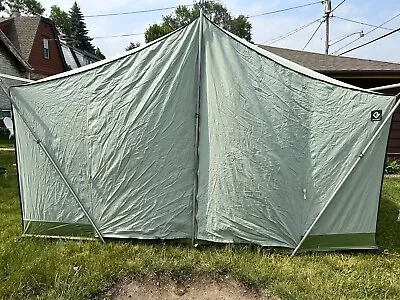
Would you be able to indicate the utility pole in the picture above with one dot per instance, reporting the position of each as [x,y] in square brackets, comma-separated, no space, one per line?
[328,9]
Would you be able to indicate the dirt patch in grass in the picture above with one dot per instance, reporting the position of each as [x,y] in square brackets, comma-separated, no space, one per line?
[164,287]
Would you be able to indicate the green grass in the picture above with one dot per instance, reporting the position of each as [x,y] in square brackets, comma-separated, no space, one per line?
[34,268]
[4,141]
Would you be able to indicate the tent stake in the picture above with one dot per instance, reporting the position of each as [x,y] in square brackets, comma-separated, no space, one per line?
[197,133]
[391,112]
[58,171]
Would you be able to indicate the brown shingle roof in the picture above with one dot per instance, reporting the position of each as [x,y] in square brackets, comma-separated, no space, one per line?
[334,64]
[22,34]
[7,43]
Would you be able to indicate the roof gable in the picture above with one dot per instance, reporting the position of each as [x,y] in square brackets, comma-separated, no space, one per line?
[24,34]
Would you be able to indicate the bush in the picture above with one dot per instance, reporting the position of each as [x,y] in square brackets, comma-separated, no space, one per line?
[392,167]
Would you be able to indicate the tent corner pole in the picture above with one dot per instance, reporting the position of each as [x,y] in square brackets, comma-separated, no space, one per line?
[360,156]
[197,129]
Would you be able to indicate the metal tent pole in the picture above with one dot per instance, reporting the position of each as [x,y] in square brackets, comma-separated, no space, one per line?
[384,87]
[15,78]
[360,156]
[53,162]
[197,129]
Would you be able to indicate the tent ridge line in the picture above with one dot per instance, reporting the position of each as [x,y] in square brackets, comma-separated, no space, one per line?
[60,173]
[360,156]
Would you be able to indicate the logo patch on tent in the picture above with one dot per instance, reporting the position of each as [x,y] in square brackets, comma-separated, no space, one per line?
[376,115]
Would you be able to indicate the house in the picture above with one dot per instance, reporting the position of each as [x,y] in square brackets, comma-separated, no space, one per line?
[363,73]
[36,39]
[11,63]
[76,58]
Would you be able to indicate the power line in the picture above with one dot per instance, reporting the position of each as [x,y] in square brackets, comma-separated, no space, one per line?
[348,44]
[136,12]
[337,6]
[345,37]
[312,35]
[285,9]
[114,36]
[370,42]
[283,36]
[361,23]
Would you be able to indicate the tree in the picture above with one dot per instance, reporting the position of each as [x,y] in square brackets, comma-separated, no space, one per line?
[132,45]
[29,7]
[215,11]
[155,31]
[99,54]
[62,21]
[79,34]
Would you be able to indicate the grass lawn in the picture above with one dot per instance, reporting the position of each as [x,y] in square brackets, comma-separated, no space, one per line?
[4,141]
[57,269]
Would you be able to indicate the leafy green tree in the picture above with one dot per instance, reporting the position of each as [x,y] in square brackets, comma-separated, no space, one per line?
[155,31]
[241,27]
[99,54]
[62,21]
[28,7]
[215,11]
[79,34]
[132,45]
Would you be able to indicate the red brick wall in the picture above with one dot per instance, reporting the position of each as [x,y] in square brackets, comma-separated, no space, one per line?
[41,65]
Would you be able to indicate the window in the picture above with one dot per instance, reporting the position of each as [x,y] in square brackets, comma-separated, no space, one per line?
[5,113]
[46,50]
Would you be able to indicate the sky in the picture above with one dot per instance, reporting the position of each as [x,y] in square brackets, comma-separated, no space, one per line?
[265,28]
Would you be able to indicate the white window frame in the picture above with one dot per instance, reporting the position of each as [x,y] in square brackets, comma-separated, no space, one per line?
[46,48]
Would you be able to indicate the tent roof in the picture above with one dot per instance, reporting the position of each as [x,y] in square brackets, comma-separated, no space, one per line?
[267,54]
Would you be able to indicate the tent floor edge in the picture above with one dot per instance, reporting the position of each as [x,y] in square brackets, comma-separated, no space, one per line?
[58,229]
[332,242]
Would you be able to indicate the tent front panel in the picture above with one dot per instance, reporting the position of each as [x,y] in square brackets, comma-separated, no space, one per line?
[142,139]
[122,135]
[276,144]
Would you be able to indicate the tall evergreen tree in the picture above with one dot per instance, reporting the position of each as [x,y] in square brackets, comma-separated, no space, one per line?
[79,33]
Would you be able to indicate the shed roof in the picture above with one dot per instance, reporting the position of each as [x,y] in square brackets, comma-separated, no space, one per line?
[334,64]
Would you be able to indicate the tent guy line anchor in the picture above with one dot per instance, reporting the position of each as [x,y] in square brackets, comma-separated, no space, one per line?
[360,156]
[60,173]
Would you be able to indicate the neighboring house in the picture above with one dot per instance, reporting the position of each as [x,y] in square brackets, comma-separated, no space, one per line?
[76,58]
[35,37]
[11,63]
[363,73]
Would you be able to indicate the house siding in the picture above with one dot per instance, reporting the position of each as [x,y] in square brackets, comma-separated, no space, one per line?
[42,66]
[9,66]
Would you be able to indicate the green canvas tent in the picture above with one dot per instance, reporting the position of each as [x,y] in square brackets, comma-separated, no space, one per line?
[201,135]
